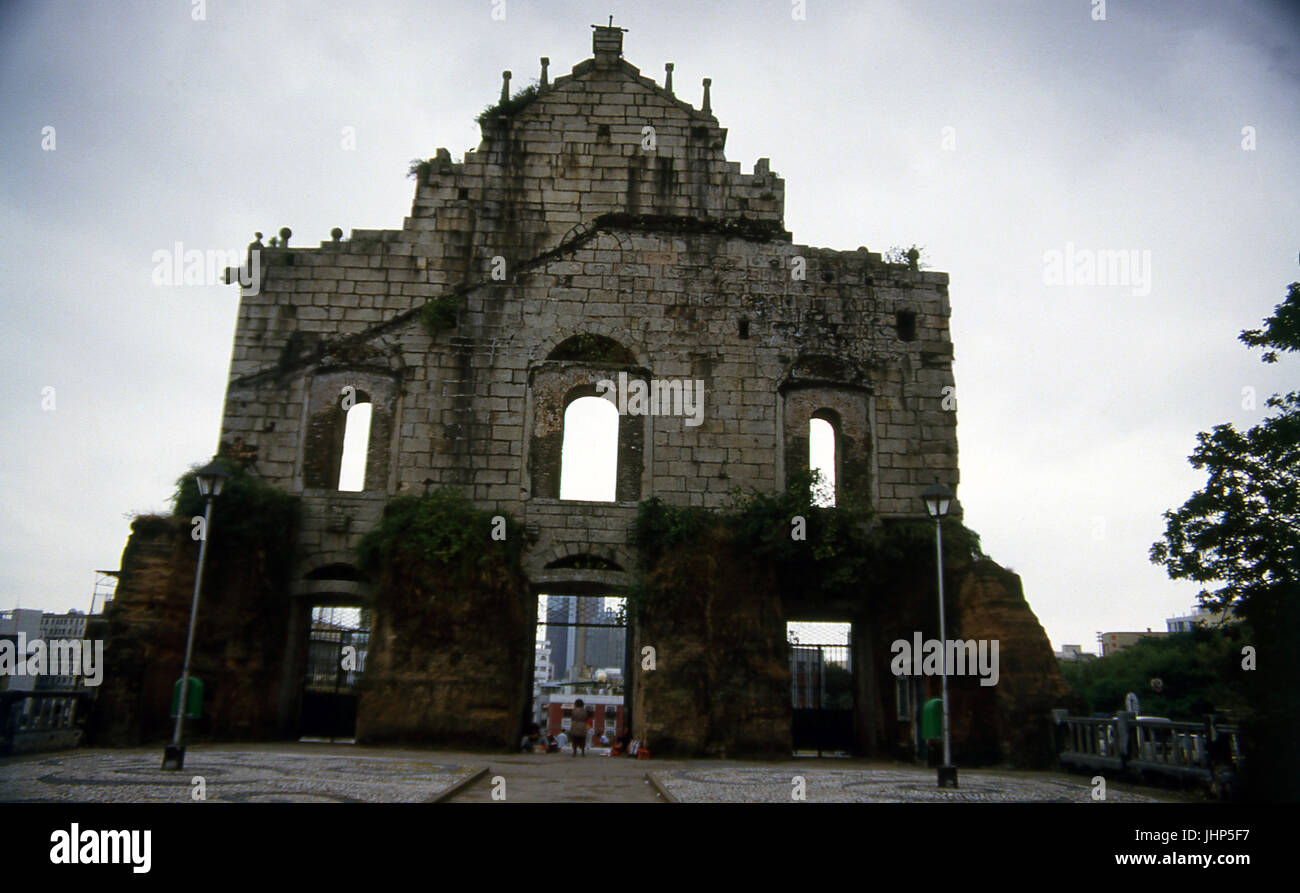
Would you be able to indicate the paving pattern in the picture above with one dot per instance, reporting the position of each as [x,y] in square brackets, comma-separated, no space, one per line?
[320,773]
[777,785]
[230,776]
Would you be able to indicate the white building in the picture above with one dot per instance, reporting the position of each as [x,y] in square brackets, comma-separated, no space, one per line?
[1200,616]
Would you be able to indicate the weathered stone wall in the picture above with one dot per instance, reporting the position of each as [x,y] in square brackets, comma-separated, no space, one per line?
[451,659]
[238,642]
[721,683]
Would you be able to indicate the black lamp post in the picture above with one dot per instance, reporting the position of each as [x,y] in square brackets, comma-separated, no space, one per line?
[938,498]
[210,479]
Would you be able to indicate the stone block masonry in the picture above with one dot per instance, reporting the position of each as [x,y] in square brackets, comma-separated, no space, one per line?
[597,231]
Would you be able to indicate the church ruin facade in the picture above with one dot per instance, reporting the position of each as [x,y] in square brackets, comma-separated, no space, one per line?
[598,243]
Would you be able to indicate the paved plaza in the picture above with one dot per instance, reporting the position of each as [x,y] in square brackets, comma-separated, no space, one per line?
[289,773]
[343,773]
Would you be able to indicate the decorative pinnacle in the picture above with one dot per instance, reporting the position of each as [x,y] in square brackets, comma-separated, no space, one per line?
[708,106]
[546,60]
[505,86]
[668,78]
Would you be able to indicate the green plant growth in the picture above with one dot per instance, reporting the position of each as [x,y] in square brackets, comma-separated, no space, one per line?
[444,530]
[249,517]
[439,314]
[844,550]
[913,256]
[1192,668]
[510,106]
[419,169]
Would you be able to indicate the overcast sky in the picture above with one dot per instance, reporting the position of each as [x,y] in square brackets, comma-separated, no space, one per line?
[1077,404]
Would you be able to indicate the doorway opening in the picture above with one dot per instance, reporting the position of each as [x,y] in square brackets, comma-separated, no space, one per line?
[821,687]
[581,652]
[336,658]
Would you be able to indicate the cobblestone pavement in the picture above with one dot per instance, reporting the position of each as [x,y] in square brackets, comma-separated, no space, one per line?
[876,785]
[347,773]
[242,774]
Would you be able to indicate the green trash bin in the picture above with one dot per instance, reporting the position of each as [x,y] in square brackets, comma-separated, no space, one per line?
[932,719]
[193,709]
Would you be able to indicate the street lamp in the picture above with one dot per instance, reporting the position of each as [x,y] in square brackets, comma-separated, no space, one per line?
[937,500]
[210,479]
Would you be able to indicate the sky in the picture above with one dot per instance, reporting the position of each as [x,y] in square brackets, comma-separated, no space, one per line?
[1007,139]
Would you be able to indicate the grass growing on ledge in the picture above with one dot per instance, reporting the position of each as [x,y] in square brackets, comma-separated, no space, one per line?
[510,106]
[443,530]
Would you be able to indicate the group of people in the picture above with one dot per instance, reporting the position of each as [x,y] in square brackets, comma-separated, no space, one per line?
[576,737]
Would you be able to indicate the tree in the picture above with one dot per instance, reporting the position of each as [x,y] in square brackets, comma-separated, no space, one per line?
[1242,531]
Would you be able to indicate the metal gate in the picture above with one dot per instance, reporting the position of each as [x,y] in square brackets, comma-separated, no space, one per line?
[821,690]
[336,658]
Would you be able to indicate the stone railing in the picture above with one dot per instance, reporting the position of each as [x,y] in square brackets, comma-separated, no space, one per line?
[1150,748]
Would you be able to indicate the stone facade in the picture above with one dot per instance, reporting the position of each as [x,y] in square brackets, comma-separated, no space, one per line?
[597,231]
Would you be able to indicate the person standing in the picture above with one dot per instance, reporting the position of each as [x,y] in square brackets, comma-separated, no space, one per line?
[578,727]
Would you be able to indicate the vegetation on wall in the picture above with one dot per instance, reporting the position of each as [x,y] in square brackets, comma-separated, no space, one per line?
[439,313]
[443,530]
[250,518]
[509,106]
[842,551]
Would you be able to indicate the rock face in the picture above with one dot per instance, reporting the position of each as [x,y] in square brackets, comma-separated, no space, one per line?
[1008,722]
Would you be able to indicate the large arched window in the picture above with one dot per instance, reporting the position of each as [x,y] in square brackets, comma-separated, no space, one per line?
[589,450]
[356,448]
[821,456]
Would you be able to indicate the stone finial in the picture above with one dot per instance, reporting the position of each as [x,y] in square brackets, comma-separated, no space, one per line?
[545,79]
[607,44]
[668,77]
[257,241]
[275,243]
[336,234]
[505,86]
[708,106]
[285,233]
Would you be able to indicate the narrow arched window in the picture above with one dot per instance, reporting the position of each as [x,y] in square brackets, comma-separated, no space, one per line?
[589,450]
[821,459]
[356,448]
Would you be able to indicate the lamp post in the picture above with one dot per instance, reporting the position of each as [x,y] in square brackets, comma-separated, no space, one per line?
[937,500]
[210,479]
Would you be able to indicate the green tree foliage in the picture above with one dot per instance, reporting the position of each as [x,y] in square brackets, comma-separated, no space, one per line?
[1243,529]
[1242,532]
[1193,666]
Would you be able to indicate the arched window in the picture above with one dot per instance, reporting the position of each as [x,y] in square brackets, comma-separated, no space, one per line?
[821,457]
[356,448]
[589,450]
